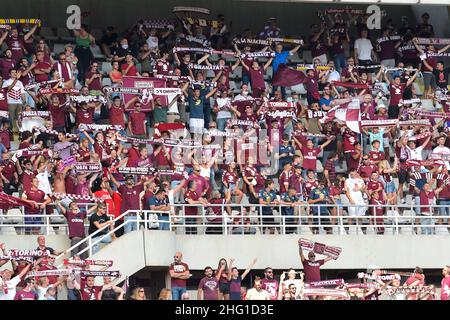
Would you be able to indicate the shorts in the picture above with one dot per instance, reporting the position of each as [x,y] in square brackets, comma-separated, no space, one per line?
[224,288]
[339,203]
[402,176]
[196,125]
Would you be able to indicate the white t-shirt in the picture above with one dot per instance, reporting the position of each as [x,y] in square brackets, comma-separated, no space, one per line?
[44,183]
[297,284]
[12,286]
[15,94]
[41,291]
[334,76]
[254,294]
[415,154]
[364,47]
[223,110]
[354,186]
[152,42]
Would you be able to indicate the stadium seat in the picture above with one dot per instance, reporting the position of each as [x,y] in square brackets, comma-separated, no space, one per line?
[441,231]
[97,53]
[59,47]
[407,230]
[8,230]
[106,67]
[48,34]
[294,58]
[65,35]
[307,56]
[106,82]
[18,216]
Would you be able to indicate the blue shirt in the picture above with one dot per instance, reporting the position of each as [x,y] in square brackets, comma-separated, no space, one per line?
[153,201]
[280,58]
[267,196]
[324,101]
[315,194]
[286,149]
[285,210]
[196,107]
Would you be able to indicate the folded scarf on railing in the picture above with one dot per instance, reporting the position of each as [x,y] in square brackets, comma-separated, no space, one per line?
[108,263]
[350,85]
[320,248]
[325,283]
[322,292]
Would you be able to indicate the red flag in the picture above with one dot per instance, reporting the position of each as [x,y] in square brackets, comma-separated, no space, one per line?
[7,201]
[287,77]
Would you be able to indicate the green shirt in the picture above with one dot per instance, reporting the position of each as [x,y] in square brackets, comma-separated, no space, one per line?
[160,114]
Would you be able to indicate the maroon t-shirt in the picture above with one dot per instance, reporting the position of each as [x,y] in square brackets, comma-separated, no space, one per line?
[137,122]
[3,100]
[366,171]
[65,74]
[209,287]
[34,195]
[8,169]
[192,195]
[95,84]
[178,268]
[5,66]
[310,158]
[387,48]
[84,116]
[312,270]
[27,177]
[318,48]
[58,115]
[396,92]
[271,286]
[116,116]
[130,197]
[75,222]
[374,185]
[16,45]
[89,293]
[257,78]
[41,77]
[162,67]
[25,295]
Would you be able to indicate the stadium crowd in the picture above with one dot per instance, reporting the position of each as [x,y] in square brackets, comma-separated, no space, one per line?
[181,113]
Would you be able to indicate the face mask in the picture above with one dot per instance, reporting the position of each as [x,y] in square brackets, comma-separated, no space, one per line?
[125,46]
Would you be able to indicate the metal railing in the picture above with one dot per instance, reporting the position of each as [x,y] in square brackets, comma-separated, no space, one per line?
[264,216]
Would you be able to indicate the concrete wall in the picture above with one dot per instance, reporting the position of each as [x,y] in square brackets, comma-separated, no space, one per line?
[136,250]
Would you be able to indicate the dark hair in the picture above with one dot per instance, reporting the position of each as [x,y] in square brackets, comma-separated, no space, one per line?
[207,268]
[267,268]
[268,182]
[190,184]
[440,62]
[375,141]
[116,97]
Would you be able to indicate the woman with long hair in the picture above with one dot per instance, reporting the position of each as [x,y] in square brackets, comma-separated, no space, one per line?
[138,294]
[224,283]
[386,172]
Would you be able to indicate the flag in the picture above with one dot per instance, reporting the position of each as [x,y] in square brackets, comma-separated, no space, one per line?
[7,202]
[287,77]
[349,113]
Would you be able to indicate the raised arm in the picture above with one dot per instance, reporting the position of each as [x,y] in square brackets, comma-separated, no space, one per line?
[245,273]
[413,78]
[300,251]
[268,63]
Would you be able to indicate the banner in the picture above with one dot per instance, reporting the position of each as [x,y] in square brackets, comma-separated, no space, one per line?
[87,167]
[259,54]
[246,41]
[324,283]
[99,127]
[87,273]
[40,114]
[158,24]
[136,170]
[17,258]
[144,83]
[105,263]
[7,201]
[350,85]
[287,77]
[47,273]
[190,9]
[322,292]
[88,99]
[174,78]
[202,42]
[351,11]
[195,66]
[427,40]
[320,248]
[43,91]
[287,40]
[388,277]
[21,21]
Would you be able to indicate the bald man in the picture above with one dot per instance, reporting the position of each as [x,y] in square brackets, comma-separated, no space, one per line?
[179,273]
[445,284]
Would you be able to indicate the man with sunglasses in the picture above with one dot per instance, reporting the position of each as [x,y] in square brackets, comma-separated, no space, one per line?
[97,221]
[269,284]
[93,80]
[65,70]
[367,168]
[179,273]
